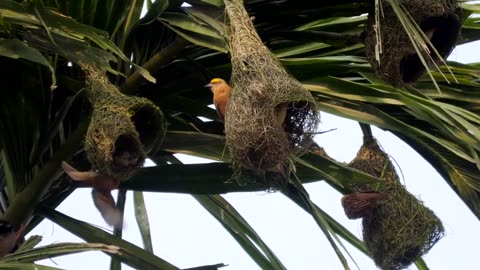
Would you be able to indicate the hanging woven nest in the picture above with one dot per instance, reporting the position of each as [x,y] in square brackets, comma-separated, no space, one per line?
[398,61]
[122,129]
[270,114]
[397,228]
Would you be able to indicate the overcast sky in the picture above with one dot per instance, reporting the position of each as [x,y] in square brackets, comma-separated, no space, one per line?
[186,235]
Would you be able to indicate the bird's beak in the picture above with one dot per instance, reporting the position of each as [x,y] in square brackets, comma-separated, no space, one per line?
[208,85]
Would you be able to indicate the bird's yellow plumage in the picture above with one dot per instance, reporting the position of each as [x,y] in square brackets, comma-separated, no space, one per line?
[221,93]
[216,80]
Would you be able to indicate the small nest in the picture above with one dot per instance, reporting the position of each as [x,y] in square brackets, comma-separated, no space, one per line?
[270,114]
[122,129]
[400,229]
[399,63]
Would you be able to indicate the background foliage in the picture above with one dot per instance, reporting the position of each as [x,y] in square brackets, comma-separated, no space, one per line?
[167,56]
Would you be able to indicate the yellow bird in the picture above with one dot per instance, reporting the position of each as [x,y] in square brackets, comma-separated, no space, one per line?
[221,94]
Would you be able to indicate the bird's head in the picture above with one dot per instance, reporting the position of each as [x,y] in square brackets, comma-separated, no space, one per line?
[215,82]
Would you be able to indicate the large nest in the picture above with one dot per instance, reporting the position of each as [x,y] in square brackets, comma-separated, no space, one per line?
[122,129]
[399,229]
[270,114]
[399,63]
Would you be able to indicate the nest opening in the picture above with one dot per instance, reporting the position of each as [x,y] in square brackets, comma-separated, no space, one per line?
[300,124]
[398,61]
[126,143]
[149,124]
[126,149]
[443,32]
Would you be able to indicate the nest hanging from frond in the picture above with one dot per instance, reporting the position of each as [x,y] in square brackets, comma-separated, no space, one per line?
[270,114]
[397,228]
[122,129]
[398,61]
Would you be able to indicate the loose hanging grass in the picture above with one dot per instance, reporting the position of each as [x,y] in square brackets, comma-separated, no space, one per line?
[270,114]
[398,229]
[397,53]
[122,129]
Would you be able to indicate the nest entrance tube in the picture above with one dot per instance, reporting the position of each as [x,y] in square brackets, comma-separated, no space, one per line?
[399,229]
[398,61]
[270,115]
[150,124]
[122,129]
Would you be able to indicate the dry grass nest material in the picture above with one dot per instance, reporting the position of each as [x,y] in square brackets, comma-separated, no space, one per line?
[270,114]
[122,129]
[399,62]
[400,229]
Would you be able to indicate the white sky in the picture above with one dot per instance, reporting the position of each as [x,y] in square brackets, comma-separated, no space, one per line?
[186,235]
